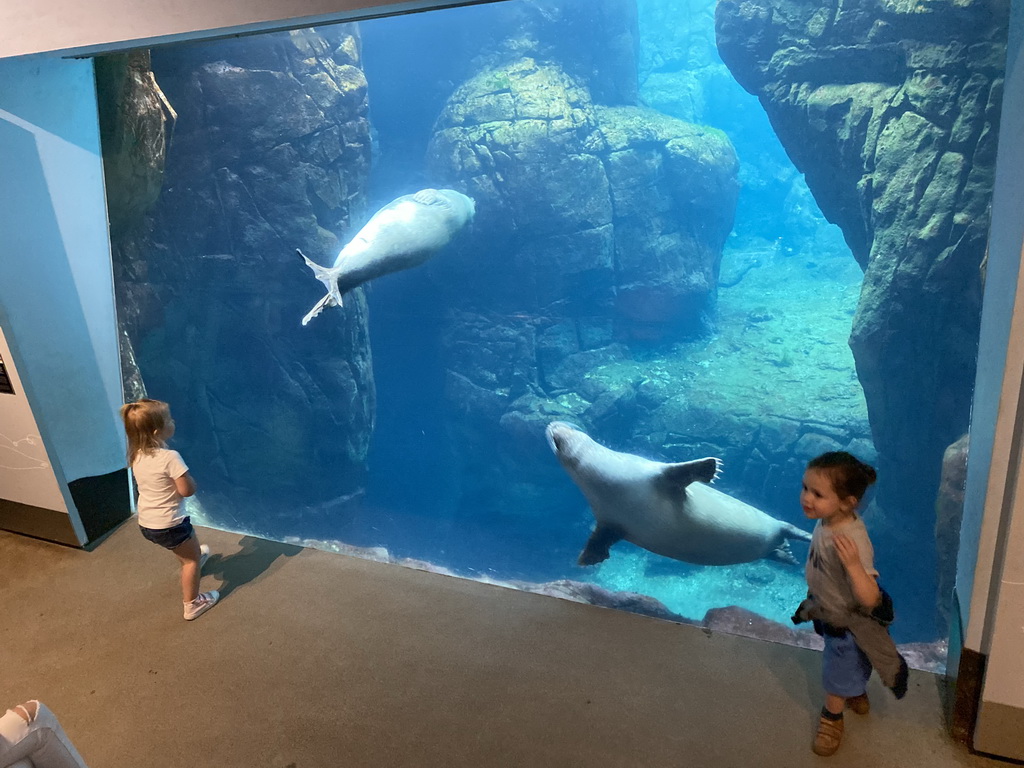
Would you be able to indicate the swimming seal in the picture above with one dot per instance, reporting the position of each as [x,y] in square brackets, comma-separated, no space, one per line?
[666,508]
[403,234]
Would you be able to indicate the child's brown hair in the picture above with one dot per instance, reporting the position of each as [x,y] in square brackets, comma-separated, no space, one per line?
[849,475]
[144,420]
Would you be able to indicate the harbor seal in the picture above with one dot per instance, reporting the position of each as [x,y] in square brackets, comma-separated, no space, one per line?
[403,234]
[665,508]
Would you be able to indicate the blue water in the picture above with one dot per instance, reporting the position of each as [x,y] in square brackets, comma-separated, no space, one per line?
[462,488]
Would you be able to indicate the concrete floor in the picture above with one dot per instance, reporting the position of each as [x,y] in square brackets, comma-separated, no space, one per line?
[314,660]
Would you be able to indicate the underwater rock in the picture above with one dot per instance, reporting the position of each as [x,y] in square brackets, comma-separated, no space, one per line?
[734,620]
[682,75]
[891,112]
[270,151]
[585,592]
[134,116]
[605,227]
[586,204]
[674,205]
[595,42]
[949,511]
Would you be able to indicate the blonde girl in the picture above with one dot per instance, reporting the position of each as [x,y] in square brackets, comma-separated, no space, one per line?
[163,482]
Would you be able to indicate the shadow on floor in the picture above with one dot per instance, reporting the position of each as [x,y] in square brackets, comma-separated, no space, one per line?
[255,558]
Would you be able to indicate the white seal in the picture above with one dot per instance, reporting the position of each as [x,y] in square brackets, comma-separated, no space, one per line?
[666,508]
[403,234]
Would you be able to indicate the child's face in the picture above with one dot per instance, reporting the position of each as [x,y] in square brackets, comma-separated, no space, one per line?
[820,501]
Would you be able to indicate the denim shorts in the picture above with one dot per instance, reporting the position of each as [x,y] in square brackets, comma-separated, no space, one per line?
[172,537]
[845,668]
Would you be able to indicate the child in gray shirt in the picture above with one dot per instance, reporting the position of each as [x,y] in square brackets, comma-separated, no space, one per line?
[844,600]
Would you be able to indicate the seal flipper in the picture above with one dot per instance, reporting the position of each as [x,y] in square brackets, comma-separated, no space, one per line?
[682,474]
[596,550]
[782,554]
[326,301]
[329,277]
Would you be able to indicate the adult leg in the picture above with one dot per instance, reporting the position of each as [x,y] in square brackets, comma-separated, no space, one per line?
[32,731]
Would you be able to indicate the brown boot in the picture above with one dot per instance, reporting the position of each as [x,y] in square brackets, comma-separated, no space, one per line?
[859,704]
[830,734]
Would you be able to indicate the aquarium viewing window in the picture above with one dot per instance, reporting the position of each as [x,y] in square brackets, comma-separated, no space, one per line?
[462,311]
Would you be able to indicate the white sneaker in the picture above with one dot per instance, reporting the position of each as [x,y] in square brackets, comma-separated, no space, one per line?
[204,555]
[201,604]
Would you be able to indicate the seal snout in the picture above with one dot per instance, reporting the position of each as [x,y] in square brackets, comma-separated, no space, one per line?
[559,435]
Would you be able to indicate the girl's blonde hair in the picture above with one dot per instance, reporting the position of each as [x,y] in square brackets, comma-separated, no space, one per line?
[144,420]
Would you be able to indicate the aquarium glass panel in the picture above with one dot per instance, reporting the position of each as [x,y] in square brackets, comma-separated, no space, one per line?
[564,294]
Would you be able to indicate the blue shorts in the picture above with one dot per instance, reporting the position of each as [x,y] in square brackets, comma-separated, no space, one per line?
[845,668]
[172,537]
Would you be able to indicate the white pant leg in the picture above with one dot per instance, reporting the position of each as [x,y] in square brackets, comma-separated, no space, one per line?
[42,741]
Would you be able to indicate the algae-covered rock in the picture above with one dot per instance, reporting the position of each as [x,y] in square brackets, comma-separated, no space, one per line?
[269,153]
[600,226]
[134,120]
[588,203]
[891,109]
[949,512]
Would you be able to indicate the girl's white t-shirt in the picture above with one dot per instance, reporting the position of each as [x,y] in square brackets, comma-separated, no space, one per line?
[160,505]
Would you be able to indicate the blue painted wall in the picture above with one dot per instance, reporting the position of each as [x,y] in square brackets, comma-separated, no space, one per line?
[56,291]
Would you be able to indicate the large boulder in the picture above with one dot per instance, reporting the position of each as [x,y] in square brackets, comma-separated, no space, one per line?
[134,119]
[269,152]
[891,109]
[595,42]
[682,75]
[605,208]
[949,513]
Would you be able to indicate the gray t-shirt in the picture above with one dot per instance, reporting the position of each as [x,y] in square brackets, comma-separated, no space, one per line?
[826,576]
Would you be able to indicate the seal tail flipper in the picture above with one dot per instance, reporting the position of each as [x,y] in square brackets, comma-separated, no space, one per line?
[326,301]
[596,549]
[682,474]
[329,277]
